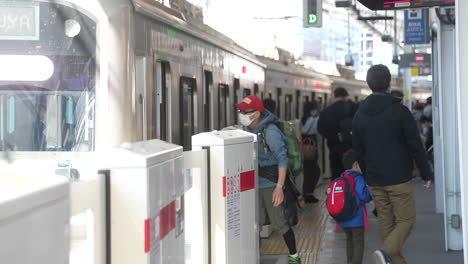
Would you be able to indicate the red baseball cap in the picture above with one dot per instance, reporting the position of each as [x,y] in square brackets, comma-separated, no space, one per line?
[251,102]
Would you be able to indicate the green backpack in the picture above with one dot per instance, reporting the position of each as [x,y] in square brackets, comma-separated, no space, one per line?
[295,159]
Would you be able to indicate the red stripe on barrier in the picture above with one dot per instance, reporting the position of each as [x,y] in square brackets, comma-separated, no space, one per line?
[247,181]
[167,217]
[224,186]
[147,235]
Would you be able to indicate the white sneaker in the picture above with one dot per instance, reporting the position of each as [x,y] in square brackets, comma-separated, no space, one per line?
[381,257]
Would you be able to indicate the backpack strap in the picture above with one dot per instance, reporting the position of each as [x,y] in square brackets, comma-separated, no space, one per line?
[266,147]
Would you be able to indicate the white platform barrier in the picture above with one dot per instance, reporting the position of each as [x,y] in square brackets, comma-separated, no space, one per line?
[34,214]
[233,235]
[147,204]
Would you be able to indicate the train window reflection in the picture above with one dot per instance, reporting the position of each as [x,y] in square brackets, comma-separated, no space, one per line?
[47,83]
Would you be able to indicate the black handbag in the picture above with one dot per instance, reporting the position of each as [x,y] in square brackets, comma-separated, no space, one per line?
[269,172]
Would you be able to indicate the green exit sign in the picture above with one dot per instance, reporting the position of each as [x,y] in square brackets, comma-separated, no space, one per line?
[312,13]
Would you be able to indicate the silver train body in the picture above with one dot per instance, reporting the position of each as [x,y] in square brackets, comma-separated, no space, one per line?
[131,70]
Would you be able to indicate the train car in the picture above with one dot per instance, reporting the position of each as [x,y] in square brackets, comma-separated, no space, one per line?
[292,85]
[86,75]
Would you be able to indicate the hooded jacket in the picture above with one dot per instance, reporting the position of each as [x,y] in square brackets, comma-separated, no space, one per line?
[362,197]
[387,141]
[277,143]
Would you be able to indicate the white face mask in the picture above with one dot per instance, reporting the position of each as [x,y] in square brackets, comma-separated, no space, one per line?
[245,119]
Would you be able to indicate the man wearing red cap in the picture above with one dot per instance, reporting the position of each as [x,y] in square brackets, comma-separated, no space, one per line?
[273,164]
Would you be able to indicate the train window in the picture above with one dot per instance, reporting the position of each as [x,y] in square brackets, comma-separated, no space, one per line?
[262,95]
[247,92]
[298,104]
[306,99]
[256,90]
[288,107]
[208,83]
[278,102]
[326,100]
[270,96]
[187,117]
[223,106]
[49,103]
[236,97]
[163,77]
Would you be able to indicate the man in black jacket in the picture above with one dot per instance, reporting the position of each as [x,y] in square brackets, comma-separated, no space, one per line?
[333,123]
[388,142]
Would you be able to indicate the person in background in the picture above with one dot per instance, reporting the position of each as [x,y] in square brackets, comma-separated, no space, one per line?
[272,168]
[309,137]
[270,105]
[387,142]
[397,94]
[355,227]
[335,124]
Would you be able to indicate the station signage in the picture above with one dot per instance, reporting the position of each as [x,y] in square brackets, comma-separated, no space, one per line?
[416,26]
[19,22]
[420,64]
[404,4]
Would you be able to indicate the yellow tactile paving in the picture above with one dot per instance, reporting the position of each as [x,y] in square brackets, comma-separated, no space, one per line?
[309,232]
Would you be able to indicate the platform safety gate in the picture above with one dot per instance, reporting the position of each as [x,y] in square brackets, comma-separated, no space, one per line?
[233,228]
[147,204]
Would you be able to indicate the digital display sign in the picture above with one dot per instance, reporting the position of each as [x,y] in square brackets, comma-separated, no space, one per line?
[391,4]
[19,22]
[402,4]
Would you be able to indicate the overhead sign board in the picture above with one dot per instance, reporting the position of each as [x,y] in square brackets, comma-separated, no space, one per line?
[416,26]
[404,4]
[420,64]
[19,22]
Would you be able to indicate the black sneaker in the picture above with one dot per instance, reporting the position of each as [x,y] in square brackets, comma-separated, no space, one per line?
[381,257]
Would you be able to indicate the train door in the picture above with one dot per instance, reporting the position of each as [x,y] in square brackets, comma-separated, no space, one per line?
[140,98]
[187,111]
[298,104]
[207,97]
[278,102]
[223,106]
[288,107]
[236,97]
[159,127]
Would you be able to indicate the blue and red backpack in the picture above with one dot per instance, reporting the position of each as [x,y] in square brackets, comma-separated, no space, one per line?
[341,198]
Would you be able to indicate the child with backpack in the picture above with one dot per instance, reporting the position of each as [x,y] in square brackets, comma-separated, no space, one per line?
[346,198]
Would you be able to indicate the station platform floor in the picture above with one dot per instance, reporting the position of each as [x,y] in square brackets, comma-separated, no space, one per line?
[318,242]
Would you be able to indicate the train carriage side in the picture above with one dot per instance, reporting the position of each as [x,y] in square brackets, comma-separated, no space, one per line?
[198,74]
[291,86]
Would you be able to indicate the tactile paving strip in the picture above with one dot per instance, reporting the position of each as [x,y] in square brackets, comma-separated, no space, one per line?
[309,232]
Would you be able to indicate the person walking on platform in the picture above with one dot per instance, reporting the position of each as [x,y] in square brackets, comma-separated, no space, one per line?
[273,163]
[355,227]
[387,141]
[309,142]
[335,124]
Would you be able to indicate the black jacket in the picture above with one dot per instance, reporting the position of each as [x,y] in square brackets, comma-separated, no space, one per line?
[329,121]
[387,140]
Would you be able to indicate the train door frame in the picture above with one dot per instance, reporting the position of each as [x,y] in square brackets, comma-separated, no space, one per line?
[161,106]
[140,94]
[191,110]
[208,119]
